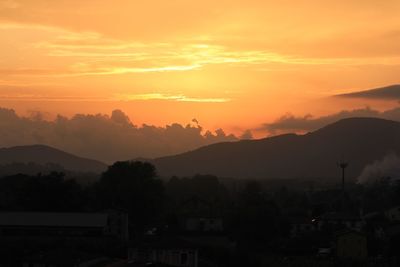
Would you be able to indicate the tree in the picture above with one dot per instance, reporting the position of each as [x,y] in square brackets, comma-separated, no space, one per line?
[132,186]
[256,220]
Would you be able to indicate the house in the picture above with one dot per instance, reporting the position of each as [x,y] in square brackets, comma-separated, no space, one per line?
[338,221]
[56,225]
[302,225]
[61,238]
[203,224]
[164,250]
[392,234]
[393,214]
[351,245]
[61,258]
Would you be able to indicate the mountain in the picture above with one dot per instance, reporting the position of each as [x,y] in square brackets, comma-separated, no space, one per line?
[40,154]
[388,92]
[361,141]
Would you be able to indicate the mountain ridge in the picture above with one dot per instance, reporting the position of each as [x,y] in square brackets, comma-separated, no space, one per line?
[43,154]
[313,155]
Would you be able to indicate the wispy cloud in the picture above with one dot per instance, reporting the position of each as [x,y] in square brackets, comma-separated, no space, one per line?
[179,98]
[197,53]
[50,98]
[87,70]
[29,96]
[90,53]
[124,70]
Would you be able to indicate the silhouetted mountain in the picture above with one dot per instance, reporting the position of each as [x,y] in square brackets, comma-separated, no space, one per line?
[40,154]
[361,141]
[387,92]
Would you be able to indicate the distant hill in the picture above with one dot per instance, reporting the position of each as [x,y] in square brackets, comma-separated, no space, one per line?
[387,92]
[40,154]
[361,141]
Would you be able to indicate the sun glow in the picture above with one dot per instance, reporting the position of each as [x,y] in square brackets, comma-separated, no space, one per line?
[252,61]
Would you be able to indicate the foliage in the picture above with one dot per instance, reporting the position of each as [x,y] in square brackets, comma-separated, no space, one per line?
[132,186]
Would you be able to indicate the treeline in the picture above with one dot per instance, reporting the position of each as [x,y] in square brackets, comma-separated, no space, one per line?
[30,168]
[33,169]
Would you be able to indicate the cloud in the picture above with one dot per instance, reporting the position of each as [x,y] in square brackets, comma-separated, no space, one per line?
[391,92]
[86,52]
[31,96]
[83,69]
[291,123]
[179,98]
[15,96]
[97,54]
[103,137]
[246,135]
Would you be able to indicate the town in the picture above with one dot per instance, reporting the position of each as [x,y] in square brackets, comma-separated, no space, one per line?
[130,217]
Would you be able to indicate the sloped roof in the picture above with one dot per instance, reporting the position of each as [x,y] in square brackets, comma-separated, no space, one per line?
[53,219]
[346,232]
[341,216]
[164,242]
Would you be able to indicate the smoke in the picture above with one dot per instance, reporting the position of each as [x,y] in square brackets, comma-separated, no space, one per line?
[389,166]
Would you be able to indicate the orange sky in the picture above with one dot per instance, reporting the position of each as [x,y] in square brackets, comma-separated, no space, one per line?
[231,64]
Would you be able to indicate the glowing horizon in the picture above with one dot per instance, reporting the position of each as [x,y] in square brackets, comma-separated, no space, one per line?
[231,64]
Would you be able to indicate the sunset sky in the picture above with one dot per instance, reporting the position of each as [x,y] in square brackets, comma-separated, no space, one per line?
[230,64]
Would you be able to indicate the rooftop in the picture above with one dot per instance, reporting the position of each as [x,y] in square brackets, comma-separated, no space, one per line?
[53,219]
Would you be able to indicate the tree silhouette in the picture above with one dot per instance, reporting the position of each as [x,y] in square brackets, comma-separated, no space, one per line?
[132,186]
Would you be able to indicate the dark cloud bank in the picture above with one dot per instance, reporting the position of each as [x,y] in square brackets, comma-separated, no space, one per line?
[291,123]
[103,137]
[110,138]
[391,92]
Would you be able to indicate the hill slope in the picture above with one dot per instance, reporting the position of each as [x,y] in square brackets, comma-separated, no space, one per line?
[41,154]
[314,155]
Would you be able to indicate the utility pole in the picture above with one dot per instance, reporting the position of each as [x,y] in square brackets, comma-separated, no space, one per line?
[343,165]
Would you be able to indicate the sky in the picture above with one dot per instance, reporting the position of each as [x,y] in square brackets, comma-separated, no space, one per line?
[236,65]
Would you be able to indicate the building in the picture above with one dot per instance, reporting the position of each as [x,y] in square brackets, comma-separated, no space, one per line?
[61,258]
[163,250]
[393,214]
[36,225]
[351,245]
[61,239]
[339,221]
[203,224]
[302,225]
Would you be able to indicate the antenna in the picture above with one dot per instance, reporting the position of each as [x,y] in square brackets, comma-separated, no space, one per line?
[343,165]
